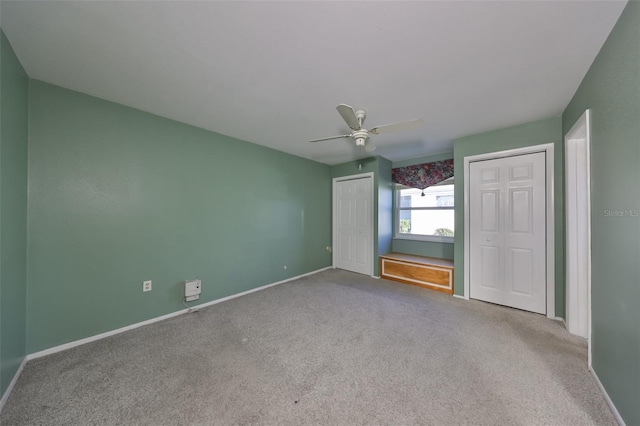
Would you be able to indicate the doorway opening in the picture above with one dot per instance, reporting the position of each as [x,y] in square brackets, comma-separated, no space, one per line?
[578,227]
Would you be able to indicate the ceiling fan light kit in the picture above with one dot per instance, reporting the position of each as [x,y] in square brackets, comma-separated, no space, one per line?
[355,121]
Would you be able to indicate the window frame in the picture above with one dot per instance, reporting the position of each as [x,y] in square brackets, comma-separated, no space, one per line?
[415,237]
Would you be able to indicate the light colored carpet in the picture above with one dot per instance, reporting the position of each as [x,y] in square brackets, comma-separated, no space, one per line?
[332,348]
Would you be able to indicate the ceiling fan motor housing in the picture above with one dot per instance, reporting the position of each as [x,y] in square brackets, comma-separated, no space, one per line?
[360,136]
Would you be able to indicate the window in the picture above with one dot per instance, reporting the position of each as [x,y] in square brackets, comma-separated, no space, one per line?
[429,217]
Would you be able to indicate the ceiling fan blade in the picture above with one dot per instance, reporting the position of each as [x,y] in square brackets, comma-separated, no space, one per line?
[349,115]
[397,127]
[329,138]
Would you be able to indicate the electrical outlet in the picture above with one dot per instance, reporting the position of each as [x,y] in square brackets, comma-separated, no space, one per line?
[146,285]
[285,266]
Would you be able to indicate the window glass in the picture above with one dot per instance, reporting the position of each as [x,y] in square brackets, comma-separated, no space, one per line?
[428,215]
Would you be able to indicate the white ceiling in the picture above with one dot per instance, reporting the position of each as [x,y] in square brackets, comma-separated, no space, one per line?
[272,73]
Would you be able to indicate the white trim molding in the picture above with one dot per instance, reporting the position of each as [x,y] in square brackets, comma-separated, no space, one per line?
[613,408]
[160,318]
[578,228]
[7,393]
[560,319]
[548,149]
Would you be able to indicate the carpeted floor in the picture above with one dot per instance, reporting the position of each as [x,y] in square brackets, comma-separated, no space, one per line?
[332,348]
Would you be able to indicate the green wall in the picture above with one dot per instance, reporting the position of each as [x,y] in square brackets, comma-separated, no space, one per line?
[13,212]
[611,90]
[423,159]
[385,208]
[423,248]
[118,196]
[536,133]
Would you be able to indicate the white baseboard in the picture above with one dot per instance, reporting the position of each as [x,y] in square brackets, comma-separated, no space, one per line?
[562,320]
[613,408]
[375,277]
[75,343]
[6,394]
[459,297]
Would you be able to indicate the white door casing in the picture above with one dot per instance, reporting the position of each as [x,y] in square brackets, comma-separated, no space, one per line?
[578,228]
[353,223]
[507,231]
[549,234]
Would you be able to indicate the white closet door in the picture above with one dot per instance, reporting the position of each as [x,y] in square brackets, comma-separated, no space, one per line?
[507,203]
[354,225]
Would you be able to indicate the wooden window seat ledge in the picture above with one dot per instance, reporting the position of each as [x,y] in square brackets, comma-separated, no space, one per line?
[427,272]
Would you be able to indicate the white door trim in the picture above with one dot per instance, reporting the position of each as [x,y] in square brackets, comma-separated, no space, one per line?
[335,215]
[548,148]
[579,137]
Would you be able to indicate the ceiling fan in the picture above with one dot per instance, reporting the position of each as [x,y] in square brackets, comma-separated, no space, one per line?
[355,120]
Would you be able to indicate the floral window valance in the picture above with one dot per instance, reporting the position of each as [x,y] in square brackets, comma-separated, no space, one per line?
[424,175]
